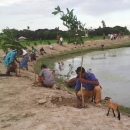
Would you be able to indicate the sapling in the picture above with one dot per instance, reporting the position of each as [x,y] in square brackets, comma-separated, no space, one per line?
[75,28]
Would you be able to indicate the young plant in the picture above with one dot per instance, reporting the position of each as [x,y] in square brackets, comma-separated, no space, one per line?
[75,29]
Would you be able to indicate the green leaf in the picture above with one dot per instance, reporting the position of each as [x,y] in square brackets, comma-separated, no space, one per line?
[58,8]
[55,12]
[68,10]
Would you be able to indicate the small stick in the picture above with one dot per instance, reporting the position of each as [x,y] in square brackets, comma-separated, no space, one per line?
[19,65]
[34,70]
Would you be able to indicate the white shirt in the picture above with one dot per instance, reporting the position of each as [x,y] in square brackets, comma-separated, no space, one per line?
[51,46]
[61,39]
[24,52]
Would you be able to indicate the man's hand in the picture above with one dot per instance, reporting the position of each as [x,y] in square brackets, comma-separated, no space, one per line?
[82,80]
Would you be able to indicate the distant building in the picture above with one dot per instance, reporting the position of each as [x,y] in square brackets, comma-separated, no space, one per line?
[22,38]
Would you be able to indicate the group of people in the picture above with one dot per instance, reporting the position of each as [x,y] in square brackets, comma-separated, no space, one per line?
[115,36]
[46,77]
[88,80]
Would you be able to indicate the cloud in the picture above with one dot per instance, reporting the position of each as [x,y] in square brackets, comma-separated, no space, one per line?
[38,11]
[9,2]
[45,7]
[102,7]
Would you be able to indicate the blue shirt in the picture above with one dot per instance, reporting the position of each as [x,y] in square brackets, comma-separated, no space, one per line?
[89,87]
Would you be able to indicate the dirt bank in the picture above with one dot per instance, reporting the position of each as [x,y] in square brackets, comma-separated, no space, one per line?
[26,107]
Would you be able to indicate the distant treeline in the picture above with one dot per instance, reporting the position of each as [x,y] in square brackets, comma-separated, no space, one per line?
[46,34]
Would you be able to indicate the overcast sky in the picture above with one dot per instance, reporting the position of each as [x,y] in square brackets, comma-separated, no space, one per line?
[37,14]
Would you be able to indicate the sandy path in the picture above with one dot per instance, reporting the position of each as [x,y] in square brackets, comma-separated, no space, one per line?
[25,107]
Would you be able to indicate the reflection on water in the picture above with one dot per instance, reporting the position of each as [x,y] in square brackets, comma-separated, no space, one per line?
[112,68]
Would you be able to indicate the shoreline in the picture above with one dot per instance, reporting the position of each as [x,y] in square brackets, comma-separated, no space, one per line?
[74,53]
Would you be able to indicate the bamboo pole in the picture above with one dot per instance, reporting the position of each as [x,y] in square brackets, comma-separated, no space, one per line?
[81,88]
[34,71]
[19,65]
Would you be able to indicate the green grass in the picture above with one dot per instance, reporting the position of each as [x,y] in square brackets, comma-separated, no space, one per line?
[31,43]
[94,38]
[45,42]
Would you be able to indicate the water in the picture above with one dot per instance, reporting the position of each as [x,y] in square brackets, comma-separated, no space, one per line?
[111,67]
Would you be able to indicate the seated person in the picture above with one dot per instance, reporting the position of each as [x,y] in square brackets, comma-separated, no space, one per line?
[33,54]
[46,77]
[91,85]
[51,47]
[42,51]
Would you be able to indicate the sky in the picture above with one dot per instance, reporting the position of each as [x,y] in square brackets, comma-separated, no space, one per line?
[37,14]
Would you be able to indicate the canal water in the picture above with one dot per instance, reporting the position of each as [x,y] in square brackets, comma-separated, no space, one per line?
[111,67]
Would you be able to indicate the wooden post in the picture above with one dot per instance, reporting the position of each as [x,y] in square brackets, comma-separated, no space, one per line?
[81,88]
[19,65]
[34,71]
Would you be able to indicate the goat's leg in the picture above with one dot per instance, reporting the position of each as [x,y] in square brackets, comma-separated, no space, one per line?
[92,99]
[108,111]
[118,114]
[113,112]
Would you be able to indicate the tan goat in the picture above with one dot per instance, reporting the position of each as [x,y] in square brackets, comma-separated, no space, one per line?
[113,106]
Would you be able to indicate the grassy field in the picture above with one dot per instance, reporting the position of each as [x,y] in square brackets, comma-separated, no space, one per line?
[31,43]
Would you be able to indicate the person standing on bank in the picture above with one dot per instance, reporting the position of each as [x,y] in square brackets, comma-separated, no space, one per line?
[10,62]
[25,60]
[90,83]
[61,40]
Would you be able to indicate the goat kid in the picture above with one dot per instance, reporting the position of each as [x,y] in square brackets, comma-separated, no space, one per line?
[113,106]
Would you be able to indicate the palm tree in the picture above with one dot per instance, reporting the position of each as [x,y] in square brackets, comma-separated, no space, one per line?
[28,27]
[103,23]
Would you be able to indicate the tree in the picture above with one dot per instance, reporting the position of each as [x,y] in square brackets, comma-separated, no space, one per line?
[75,28]
[103,23]
[28,27]
[8,41]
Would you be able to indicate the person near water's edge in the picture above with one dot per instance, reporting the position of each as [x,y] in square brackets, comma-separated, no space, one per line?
[90,83]
[46,77]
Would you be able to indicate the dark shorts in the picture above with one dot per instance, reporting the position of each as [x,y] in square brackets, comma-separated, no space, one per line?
[33,57]
[44,85]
